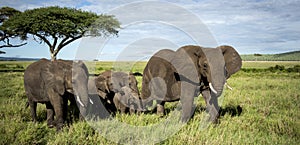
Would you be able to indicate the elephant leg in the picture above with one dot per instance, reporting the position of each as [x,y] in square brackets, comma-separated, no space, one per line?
[74,113]
[122,108]
[57,102]
[65,109]
[50,115]
[33,110]
[160,108]
[212,106]
[187,106]
[131,109]
[139,106]
[187,100]
[132,105]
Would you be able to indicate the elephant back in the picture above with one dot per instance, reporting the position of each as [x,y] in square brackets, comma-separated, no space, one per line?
[33,81]
[158,77]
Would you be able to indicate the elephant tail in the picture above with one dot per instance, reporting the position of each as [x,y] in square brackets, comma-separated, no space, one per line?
[27,104]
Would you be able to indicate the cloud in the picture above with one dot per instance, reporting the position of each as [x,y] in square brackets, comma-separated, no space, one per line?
[260,26]
[242,23]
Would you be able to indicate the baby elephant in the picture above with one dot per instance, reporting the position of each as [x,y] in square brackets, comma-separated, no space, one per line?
[126,99]
[118,87]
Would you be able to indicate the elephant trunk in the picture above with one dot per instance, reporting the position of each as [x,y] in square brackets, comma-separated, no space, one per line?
[217,82]
[217,87]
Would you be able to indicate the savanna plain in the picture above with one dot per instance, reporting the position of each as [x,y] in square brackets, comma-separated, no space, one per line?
[262,108]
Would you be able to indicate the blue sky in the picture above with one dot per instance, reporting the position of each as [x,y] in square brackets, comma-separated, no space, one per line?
[250,26]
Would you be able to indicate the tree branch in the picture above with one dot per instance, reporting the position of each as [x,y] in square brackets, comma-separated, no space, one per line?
[65,42]
[55,42]
[45,40]
[73,39]
[10,45]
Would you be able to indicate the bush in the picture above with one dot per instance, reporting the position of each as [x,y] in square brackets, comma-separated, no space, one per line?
[276,68]
[296,68]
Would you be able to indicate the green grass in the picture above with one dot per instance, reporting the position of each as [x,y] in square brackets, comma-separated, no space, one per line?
[270,105]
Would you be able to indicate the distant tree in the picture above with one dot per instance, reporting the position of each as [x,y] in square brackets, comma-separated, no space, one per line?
[257,54]
[5,14]
[58,27]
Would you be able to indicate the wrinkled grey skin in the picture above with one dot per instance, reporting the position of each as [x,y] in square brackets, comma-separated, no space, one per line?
[52,82]
[110,83]
[185,73]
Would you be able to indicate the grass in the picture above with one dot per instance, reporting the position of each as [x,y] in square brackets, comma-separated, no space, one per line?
[270,103]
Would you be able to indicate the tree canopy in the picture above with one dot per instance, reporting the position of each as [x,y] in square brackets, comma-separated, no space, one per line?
[5,14]
[58,27]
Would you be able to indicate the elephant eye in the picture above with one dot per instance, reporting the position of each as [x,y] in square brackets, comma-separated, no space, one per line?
[205,65]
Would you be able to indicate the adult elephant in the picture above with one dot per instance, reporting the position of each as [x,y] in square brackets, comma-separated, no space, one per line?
[52,82]
[110,86]
[185,73]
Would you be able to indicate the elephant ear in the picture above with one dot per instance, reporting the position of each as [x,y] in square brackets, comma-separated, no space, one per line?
[233,61]
[101,83]
[186,62]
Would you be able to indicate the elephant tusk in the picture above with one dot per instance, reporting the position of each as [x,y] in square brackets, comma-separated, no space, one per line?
[78,99]
[91,101]
[230,88]
[107,89]
[212,88]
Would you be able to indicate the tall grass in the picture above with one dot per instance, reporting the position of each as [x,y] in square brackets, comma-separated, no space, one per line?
[269,101]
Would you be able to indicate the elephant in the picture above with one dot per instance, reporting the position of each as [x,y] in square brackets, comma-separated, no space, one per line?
[185,73]
[109,86]
[52,83]
[125,99]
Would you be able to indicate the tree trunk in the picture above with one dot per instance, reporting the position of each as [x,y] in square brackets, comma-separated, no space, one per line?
[53,56]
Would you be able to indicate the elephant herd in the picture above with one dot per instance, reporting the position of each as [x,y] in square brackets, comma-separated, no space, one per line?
[168,76]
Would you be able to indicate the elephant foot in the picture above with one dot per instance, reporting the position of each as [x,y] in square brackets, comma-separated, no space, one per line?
[81,117]
[160,110]
[131,109]
[59,126]
[214,119]
[123,111]
[50,124]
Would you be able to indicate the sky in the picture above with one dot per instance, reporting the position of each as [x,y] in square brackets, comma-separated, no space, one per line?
[250,26]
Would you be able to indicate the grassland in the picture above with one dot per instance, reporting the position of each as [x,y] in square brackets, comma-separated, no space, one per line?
[270,103]
[289,56]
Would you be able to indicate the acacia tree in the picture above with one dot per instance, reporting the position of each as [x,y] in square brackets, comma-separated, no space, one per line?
[5,14]
[58,27]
